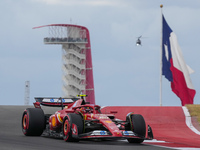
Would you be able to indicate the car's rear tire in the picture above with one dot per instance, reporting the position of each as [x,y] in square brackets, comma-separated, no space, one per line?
[33,122]
[72,127]
[137,125]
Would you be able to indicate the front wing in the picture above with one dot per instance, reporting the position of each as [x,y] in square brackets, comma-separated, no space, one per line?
[102,134]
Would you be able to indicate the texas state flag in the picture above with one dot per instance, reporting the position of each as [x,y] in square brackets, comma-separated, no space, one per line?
[174,67]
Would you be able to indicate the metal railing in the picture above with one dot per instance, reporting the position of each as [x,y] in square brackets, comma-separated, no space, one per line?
[65,40]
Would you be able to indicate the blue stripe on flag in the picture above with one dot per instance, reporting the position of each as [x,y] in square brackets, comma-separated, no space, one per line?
[166,51]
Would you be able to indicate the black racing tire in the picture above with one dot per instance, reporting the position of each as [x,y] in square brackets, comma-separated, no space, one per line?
[72,127]
[33,122]
[138,126]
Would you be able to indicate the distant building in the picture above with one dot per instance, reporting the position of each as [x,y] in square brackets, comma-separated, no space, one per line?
[77,59]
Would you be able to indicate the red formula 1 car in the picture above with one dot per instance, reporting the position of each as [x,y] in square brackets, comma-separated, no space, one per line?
[79,120]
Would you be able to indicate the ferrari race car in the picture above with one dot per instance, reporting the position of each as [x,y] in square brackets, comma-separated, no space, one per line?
[78,120]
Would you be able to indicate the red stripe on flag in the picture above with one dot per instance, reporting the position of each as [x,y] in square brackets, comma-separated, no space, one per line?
[179,86]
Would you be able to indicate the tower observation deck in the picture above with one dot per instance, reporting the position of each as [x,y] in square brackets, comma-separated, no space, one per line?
[77,59]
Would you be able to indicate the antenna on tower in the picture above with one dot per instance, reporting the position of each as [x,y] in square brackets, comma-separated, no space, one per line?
[27,93]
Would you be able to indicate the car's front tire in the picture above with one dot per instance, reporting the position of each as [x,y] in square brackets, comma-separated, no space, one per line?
[137,125]
[72,127]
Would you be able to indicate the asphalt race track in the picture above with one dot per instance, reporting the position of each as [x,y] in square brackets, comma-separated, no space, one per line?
[12,138]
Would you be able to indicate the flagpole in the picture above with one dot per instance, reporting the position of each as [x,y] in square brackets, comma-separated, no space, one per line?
[161,6]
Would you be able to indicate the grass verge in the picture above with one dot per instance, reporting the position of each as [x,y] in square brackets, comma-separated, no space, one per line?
[194,111]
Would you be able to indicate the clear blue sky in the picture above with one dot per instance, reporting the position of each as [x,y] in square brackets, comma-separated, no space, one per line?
[124,74]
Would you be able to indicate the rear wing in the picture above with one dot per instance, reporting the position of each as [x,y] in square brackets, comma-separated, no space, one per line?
[54,101]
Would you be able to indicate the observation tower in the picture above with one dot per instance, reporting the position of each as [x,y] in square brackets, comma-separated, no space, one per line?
[77,59]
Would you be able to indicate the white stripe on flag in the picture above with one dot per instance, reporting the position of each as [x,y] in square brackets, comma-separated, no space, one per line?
[178,60]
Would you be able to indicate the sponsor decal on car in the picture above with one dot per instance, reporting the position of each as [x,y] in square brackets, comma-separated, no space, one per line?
[101,116]
[59,118]
[102,132]
[99,132]
[53,121]
[130,133]
[126,133]
[108,121]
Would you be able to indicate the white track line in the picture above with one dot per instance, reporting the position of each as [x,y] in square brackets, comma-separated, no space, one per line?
[154,141]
